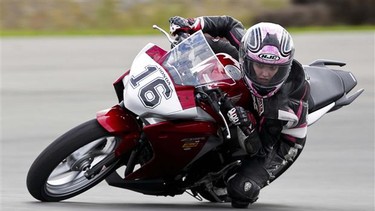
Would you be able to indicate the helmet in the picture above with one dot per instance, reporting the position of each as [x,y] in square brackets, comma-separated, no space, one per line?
[265,55]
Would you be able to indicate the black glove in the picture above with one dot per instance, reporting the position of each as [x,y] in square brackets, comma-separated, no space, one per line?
[247,135]
[179,24]
[238,116]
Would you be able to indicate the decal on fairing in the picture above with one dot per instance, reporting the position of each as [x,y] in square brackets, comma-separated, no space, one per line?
[190,143]
[151,94]
[149,88]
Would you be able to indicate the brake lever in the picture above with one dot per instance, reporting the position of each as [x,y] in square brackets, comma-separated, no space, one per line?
[215,104]
[173,42]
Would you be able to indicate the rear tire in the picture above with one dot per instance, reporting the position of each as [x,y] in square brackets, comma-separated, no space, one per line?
[58,172]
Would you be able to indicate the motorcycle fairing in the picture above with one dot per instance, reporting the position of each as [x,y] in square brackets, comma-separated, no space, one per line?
[322,93]
[329,88]
[163,84]
[150,89]
[116,120]
[155,52]
[119,86]
[186,141]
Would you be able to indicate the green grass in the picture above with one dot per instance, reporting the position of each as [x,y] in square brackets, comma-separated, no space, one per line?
[332,28]
[90,32]
[150,31]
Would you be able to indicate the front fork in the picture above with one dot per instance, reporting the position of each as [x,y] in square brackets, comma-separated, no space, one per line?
[120,122]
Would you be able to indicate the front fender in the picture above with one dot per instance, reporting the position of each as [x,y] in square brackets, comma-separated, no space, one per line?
[117,120]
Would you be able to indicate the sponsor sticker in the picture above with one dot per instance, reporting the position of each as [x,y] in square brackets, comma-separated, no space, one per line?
[269,57]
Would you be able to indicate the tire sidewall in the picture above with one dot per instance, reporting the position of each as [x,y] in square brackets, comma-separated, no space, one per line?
[55,153]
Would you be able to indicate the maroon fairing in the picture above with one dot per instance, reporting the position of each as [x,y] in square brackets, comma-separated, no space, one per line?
[174,145]
[117,120]
[121,122]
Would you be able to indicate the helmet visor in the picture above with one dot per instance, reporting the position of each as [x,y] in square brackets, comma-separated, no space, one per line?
[265,76]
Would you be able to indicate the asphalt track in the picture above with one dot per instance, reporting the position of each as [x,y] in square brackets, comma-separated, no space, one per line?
[49,85]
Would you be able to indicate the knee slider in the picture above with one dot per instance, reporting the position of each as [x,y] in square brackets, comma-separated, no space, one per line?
[243,189]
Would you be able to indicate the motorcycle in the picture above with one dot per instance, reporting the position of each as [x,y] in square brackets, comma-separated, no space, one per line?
[168,135]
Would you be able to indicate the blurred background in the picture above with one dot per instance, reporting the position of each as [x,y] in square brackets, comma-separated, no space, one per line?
[20,17]
[49,84]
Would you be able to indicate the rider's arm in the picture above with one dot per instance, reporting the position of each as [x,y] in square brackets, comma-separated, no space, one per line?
[223,26]
[216,26]
[290,129]
[247,134]
[296,131]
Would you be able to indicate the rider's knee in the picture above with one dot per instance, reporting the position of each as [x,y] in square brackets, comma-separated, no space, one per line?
[242,189]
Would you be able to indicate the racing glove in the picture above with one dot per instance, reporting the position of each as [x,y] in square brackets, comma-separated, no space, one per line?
[179,24]
[248,137]
[239,117]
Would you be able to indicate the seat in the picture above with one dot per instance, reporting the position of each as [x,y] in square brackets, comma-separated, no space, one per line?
[326,86]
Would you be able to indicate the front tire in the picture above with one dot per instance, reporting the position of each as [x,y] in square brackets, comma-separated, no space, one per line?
[58,172]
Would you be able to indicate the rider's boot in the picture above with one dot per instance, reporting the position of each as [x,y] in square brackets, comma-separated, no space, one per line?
[244,186]
[242,190]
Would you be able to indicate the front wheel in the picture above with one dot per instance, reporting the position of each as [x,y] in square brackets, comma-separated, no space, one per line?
[58,173]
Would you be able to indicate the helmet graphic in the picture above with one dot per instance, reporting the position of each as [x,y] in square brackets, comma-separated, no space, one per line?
[266,53]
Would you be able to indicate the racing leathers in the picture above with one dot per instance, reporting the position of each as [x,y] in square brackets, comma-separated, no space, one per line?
[281,124]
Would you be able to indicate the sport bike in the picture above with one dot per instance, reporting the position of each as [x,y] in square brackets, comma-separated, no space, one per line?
[168,135]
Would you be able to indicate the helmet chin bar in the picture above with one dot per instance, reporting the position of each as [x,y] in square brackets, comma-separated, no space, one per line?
[256,91]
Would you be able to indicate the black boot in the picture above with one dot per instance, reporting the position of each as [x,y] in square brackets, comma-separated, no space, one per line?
[242,190]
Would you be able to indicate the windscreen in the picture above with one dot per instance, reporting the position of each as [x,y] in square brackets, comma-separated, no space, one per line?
[192,62]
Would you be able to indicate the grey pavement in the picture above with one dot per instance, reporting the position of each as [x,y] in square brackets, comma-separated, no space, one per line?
[51,84]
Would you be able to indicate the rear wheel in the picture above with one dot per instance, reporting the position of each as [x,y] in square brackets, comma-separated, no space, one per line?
[58,173]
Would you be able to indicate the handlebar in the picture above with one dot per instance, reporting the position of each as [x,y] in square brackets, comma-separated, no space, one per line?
[179,37]
[216,99]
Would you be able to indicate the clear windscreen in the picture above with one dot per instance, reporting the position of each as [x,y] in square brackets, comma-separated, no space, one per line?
[192,62]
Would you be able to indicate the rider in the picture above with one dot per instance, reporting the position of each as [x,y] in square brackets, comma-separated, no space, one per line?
[273,124]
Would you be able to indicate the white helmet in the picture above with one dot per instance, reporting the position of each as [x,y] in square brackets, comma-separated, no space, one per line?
[266,45]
